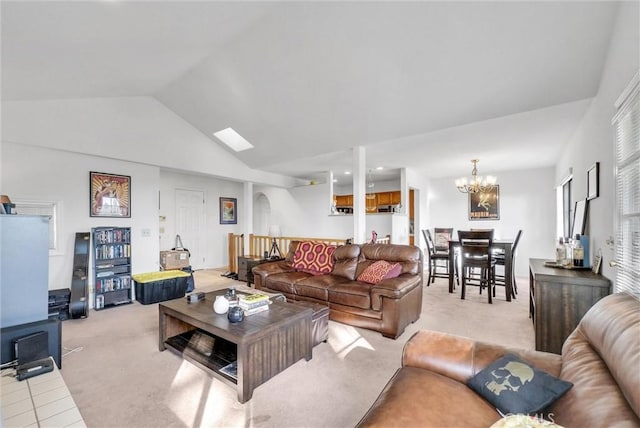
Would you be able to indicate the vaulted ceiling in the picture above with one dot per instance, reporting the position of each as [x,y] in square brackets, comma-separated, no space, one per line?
[425,85]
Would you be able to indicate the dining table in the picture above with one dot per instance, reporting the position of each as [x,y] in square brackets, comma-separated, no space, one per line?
[498,244]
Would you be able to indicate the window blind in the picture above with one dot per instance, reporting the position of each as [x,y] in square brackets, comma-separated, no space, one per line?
[627,169]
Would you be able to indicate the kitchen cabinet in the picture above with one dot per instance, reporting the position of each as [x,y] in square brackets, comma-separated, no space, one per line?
[344,200]
[383,198]
[395,197]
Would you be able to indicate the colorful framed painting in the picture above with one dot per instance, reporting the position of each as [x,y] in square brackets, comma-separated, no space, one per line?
[228,211]
[109,195]
[485,205]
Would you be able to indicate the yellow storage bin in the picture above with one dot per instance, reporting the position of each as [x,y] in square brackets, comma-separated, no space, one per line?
[154,287]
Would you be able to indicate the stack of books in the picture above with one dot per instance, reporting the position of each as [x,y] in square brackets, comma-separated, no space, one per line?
[253,303]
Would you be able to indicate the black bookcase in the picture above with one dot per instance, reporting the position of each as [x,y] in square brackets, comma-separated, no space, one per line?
[112,266]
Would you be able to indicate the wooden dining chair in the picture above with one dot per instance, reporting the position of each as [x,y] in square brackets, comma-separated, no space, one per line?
[500,261]
[437,259]
[475,253]
[441,237]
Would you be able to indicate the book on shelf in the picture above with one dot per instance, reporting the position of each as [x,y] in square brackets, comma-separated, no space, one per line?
[104,274]
[248,312]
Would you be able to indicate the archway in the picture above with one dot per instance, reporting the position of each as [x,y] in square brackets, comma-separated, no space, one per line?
[261,214]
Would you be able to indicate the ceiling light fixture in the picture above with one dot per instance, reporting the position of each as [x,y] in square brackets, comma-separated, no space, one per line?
[232,139]
[477,183]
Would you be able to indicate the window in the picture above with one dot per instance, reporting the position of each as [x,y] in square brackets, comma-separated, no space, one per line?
[627,176]
[49,209]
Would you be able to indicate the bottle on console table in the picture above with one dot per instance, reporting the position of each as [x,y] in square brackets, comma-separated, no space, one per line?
[577,252]
[561,254]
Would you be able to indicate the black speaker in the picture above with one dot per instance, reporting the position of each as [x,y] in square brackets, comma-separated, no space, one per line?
[32,347]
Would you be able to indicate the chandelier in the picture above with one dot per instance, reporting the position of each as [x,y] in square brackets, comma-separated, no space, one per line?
[477,183]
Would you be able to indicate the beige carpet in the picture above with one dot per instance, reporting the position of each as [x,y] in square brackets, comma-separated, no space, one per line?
[118,378]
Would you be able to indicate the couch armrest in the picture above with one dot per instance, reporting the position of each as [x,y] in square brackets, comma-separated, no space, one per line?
[397,287]
[460,358]
[262,271]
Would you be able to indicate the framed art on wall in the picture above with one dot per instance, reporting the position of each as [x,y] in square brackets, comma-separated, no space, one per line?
[580,217]
[485,205]
[228,211]
[109,195]
[593,181]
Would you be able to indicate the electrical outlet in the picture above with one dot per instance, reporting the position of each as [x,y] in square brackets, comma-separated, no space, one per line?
[146,233]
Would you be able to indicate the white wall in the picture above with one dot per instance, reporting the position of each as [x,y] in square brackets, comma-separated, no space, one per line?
[593,141]
[38,174]
[138,129]
[216,234]
[527,202]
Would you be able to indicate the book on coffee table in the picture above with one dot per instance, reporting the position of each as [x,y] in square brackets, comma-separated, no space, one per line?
[256,310]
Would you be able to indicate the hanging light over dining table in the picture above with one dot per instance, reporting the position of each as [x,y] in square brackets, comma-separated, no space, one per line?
[477,183]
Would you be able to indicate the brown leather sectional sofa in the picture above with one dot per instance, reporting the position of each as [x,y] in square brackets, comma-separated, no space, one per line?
[387,307]
[601,358]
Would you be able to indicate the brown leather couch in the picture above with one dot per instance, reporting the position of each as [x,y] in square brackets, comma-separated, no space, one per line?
[387,307]
[601,358]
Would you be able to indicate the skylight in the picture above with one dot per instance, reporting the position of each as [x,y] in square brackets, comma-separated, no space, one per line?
[232,139]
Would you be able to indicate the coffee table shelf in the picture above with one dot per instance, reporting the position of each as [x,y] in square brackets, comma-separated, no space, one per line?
[212,352]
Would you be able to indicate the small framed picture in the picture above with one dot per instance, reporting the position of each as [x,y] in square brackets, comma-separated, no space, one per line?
[593,181]
[109,195]
[597,262]
[228,211]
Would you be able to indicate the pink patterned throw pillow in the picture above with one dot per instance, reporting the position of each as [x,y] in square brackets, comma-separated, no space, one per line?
[380,270]
[315,258]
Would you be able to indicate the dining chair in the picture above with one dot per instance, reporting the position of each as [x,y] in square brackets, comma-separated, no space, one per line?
[441,237]
[437,259]
[475,252]
[500,261]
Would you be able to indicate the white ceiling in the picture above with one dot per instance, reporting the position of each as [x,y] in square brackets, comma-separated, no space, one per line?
[426,85]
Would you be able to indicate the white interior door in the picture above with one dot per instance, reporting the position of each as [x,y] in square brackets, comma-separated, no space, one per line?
[190,224]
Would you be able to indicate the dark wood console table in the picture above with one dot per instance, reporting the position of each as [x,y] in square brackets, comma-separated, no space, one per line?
[246,263]
[558,299]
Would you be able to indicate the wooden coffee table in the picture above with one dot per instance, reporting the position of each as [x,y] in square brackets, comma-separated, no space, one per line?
[263,344]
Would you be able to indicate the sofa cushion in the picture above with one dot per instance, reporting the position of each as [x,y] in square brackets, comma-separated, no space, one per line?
[514,386]
[352,293]
[285,281]
[314,257]
[317,286]
[379,270]
[346,261]
[601,358]
[415,397]
[409,257]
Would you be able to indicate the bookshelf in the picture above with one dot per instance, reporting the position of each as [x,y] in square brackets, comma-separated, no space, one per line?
[112,266]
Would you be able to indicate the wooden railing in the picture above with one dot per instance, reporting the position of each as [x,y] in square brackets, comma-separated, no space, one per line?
[258,244]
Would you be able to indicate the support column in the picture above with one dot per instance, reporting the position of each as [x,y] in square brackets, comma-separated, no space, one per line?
[359,204]
[247,213]
[331,192]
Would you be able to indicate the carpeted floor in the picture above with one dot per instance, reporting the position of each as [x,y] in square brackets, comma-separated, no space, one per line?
[118,378]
